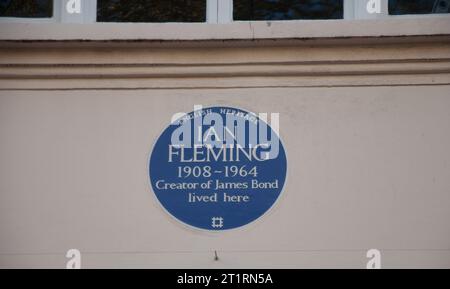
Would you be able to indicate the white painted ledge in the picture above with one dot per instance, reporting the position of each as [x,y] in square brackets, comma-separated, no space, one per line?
[257,30]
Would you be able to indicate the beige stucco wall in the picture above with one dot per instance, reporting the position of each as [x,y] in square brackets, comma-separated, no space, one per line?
[365,125]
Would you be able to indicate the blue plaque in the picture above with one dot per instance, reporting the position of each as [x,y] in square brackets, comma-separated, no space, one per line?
[218,168]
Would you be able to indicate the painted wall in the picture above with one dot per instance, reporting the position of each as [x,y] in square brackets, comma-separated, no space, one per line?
[365,127]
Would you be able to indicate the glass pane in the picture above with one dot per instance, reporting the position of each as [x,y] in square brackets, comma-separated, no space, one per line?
[287,9]
[26,8]
[151,10]
[399,7]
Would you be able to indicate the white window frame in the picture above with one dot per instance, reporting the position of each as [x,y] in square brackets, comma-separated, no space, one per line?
[353,9]
[217,12]
[356,9]
[88,12]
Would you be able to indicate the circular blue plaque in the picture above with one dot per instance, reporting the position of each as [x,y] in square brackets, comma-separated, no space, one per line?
[218,168]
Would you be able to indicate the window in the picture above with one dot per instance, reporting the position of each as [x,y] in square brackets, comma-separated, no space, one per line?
[212,11]
[151,11]
[400,7]
[287,9]
[26,8]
